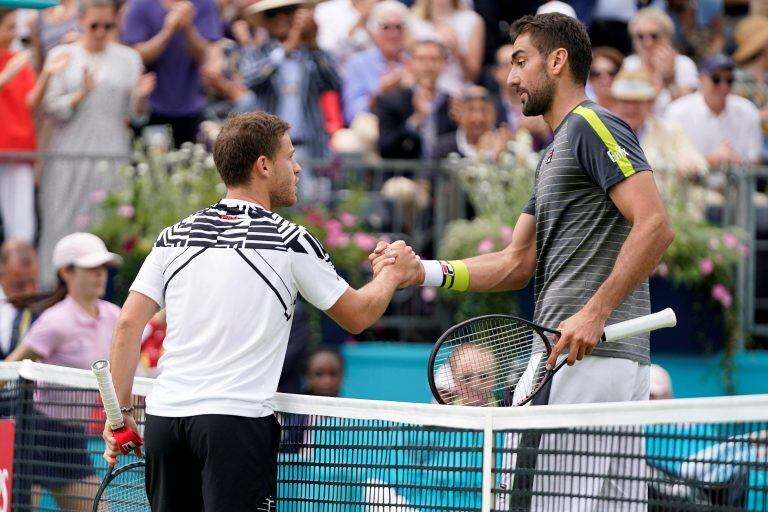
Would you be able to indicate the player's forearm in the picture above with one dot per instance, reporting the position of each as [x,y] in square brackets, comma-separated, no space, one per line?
[638,257]
[499,271]
[374,300]
[124,355]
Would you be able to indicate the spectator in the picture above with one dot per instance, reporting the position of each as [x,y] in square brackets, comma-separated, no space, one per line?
[172,37]
[606,62]
[289,72]
[476,136]
[672,74]
[508,106]
[608,21]
[51,27]
[661,383]
[17,133]
[90,102]
[325,372]
[343,28]
[723,126]
[666,145]
[698,25]
[74,330]
[472,368]
[460,30]
[751,74]
[380,70]
[19,269]
[556,6]
[412,118]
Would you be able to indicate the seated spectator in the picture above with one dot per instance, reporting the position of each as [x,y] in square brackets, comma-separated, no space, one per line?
[606,62]
[325,372]
[673,75]
[19,270]
[698,25]
[89,100]
[724,127]
[343,28]
[472,371]
[17,133]
[289,72]
[172,37]
[509,108]
[460,30]
[666,145]
[751,73]
[381,69]
[477,136]
[74,329]
[412,118]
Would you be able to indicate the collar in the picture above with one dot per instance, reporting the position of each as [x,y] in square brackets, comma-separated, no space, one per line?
[463,146]
[81,316]
[227,201]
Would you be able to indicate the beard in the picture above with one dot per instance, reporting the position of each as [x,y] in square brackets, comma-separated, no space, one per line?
[540,99]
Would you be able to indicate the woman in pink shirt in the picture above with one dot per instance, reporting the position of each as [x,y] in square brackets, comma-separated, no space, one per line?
[75,329]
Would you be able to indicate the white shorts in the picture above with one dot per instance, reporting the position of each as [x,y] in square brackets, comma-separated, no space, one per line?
[591,477]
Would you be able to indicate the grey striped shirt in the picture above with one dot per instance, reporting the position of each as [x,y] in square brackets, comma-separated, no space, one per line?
[579,230]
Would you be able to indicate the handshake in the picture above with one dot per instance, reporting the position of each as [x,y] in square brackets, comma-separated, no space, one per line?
[398,260]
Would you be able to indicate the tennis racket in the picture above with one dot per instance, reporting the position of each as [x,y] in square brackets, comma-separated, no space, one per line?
[122,490]
[127,439]
[500,360]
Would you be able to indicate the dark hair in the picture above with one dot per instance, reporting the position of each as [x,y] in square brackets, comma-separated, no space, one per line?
[38,302]
[325,349]
[554,30]
[418,43]
[242,140]
[23,251]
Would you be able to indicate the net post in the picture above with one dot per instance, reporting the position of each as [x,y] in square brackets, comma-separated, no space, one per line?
[21,494]
[487,461]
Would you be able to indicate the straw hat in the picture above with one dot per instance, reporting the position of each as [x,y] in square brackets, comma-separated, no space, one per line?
[633,86]
[259,6]
[751,36]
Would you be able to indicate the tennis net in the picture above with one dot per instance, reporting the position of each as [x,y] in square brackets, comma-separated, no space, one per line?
[374,456]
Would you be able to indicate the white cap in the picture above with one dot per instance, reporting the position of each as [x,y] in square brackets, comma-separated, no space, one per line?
[556,6]
[661,383]
[83,250]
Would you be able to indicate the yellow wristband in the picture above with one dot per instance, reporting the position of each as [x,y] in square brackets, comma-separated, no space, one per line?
[455,275]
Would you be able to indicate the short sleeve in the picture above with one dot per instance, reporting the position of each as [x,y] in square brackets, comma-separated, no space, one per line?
[686,72]
[530,206]
[315,276]
[149,280]
[135,27]
[44,336]
[605,147]
[208,22]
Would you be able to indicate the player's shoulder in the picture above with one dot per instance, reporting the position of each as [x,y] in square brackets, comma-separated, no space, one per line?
[591,118]
[177,234]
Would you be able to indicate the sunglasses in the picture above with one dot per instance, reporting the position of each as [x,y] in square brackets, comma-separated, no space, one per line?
[597,73]
[642,36]
[392,26]
[106,26]
[286,10]
[718,79]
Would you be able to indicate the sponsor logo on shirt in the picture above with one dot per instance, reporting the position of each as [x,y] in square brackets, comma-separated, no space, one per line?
[619,153]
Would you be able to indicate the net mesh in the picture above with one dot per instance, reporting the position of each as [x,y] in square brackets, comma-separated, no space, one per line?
[367,456]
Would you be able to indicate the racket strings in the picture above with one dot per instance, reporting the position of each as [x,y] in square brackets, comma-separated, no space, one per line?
[125,493]
[493,361]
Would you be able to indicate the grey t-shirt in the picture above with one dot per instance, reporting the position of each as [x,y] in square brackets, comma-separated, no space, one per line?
[579,230]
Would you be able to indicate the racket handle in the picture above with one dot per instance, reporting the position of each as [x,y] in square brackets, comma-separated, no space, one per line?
[127,440]
[647,323]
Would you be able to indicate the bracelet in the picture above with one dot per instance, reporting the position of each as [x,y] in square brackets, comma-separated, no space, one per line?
[453,275]
[127,409]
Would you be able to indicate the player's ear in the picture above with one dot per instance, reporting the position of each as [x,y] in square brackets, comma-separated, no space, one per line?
[261,167]
[557,61]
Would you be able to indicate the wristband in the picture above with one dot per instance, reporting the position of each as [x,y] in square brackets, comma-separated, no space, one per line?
[453,275]
[127,409]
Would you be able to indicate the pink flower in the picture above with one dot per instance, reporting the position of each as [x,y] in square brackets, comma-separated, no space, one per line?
[706,266]
[386,238]
[485,246]
[83,221]
[333,227]
[126,211]
[730,240]
[721,294]
[347,219]
[506,234]
[98,196]
[364,241]
[662,269]
[744,250]
[336,239]
[314,218]
[428,294]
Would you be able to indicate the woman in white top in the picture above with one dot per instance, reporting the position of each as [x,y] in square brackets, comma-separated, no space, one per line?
[673,75]
[460,30]
[89,103]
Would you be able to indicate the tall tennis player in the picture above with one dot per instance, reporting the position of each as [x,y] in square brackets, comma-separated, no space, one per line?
[593,231]
[228,277]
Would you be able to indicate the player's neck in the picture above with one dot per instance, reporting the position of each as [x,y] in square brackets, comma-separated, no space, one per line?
[260,197]
[562,105]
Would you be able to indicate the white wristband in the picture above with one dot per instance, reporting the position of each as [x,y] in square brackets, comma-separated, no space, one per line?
[433,273]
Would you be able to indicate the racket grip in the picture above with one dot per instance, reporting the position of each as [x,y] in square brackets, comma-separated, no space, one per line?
[647,323]
[127,440]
